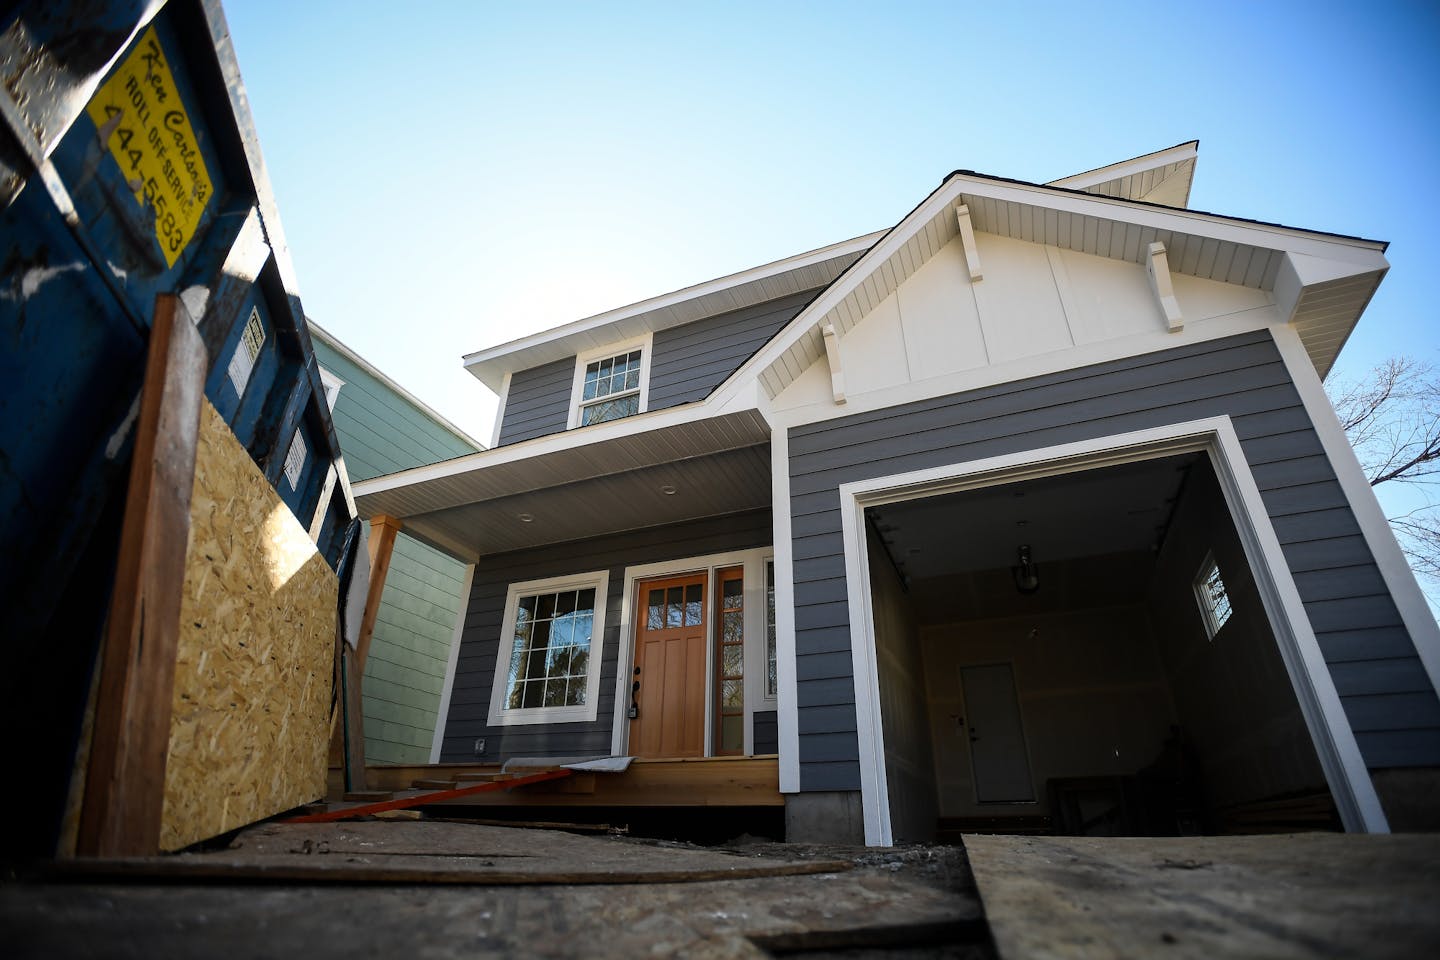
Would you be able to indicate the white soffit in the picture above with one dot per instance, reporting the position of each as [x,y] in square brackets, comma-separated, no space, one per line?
[804,271]
[1163,177]
[571,458]
[1198,244]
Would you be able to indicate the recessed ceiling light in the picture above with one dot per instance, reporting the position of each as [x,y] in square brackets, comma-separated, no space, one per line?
[668,489]
[526,518]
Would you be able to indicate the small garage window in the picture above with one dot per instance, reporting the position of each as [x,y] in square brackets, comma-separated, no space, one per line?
[1213,597]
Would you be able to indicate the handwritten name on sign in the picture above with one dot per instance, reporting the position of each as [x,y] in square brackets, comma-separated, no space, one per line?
[140,117]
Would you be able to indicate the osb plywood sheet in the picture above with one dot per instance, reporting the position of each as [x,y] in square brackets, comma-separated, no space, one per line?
[250,722]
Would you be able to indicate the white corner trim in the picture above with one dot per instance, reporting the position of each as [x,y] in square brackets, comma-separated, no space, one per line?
[645,344]
[332,385]
[499,716]
[444,711]
[832,354]
[967,244]
[1157,265]
[752,560]
[787,718]
[1334,740]
[1379,537]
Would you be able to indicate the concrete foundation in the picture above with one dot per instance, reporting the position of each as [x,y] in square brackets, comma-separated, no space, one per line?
[824,817]
[1411,798]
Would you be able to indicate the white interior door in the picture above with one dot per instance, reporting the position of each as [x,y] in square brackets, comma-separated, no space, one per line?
[998,757]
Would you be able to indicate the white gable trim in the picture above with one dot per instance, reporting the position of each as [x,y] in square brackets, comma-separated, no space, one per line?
[1129,168]
[1334,740]
[934,223]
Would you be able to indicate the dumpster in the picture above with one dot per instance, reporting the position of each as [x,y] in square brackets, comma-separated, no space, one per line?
[131,176]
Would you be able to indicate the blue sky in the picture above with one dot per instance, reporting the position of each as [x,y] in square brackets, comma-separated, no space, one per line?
[455,175]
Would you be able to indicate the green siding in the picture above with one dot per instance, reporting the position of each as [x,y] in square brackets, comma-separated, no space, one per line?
[381,432]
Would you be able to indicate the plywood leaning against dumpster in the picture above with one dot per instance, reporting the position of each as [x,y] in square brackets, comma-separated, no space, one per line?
[251,709]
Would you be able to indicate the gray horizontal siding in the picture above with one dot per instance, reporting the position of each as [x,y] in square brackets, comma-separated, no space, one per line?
[1358,627]
[767,731]
[538,402]
[693,359]
[480,641]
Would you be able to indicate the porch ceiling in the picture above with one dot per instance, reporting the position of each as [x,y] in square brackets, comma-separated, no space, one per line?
[716,466]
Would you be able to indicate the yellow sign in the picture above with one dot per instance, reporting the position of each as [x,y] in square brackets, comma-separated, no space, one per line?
[140,117]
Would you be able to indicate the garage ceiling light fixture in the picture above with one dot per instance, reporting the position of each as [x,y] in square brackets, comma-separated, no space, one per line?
[1027,575]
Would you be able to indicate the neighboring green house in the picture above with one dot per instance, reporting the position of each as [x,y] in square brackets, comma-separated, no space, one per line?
[383,428]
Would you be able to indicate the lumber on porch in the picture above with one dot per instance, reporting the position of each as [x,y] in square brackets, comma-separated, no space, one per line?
[688,782]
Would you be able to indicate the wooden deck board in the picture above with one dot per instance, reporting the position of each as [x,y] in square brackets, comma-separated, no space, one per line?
[689,782]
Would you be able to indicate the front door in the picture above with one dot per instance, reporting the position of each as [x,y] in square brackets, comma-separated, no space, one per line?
[998,756]
[669,673]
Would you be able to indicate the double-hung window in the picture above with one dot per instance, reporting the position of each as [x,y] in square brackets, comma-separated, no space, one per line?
[610,383]
[548,662]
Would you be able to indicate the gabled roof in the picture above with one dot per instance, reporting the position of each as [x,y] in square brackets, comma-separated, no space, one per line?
[803,271]
[1321,281]
[1163,177]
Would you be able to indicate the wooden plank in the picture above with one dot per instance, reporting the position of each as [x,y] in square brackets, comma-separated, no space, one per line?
[352,719]
[439,796]
[125,781]
[383,529]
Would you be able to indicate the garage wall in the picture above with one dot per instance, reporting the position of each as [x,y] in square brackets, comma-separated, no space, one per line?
[1233,695]
[1091,688]
[909,767]
[1382,684]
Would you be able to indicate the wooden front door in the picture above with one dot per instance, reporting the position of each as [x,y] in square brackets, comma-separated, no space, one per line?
[670,669]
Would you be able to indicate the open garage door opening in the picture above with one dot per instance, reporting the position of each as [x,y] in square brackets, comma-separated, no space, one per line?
[1085,653]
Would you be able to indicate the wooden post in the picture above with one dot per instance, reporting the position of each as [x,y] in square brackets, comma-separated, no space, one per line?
[125,780]
[382,543]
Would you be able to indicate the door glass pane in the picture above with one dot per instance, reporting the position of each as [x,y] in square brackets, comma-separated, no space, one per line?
[733,628]
[732,660]
[655,617]
[674,609]
[692,605]
[732,734]
[732,696]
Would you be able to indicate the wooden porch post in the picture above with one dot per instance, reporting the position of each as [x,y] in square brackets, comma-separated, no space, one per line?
[125,779]
[382,543]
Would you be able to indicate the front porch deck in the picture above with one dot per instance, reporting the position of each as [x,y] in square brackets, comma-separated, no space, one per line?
[688,782]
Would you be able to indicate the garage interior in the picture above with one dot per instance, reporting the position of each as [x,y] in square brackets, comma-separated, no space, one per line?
[1046,662]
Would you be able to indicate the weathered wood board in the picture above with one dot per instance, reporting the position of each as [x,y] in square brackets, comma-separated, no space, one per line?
[253,678]
[1314,895]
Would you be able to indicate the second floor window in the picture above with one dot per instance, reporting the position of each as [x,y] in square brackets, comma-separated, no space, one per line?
[611,388]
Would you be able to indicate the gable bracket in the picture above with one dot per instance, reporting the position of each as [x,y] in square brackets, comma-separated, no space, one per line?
[967,241]
[832,353]
[1157,264]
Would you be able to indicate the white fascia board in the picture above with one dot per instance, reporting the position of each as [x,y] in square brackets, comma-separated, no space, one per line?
[481,365]
[1368,253]
[539,446]
[332,342]
[1128,168]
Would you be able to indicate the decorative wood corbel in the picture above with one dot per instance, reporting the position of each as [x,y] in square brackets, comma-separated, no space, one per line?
[967,241]
[832,353]
[1158,266]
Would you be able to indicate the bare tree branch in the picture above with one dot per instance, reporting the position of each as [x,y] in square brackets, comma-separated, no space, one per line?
[1392,418]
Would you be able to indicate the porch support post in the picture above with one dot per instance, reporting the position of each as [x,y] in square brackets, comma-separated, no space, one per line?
[967,243]
[832,353]
[383,529]
[1157,264]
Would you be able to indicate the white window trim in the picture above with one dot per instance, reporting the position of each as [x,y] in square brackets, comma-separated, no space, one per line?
[1330,730]
[753,562]
[332,386]
[501,717]
[1203,598]
[644,344]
